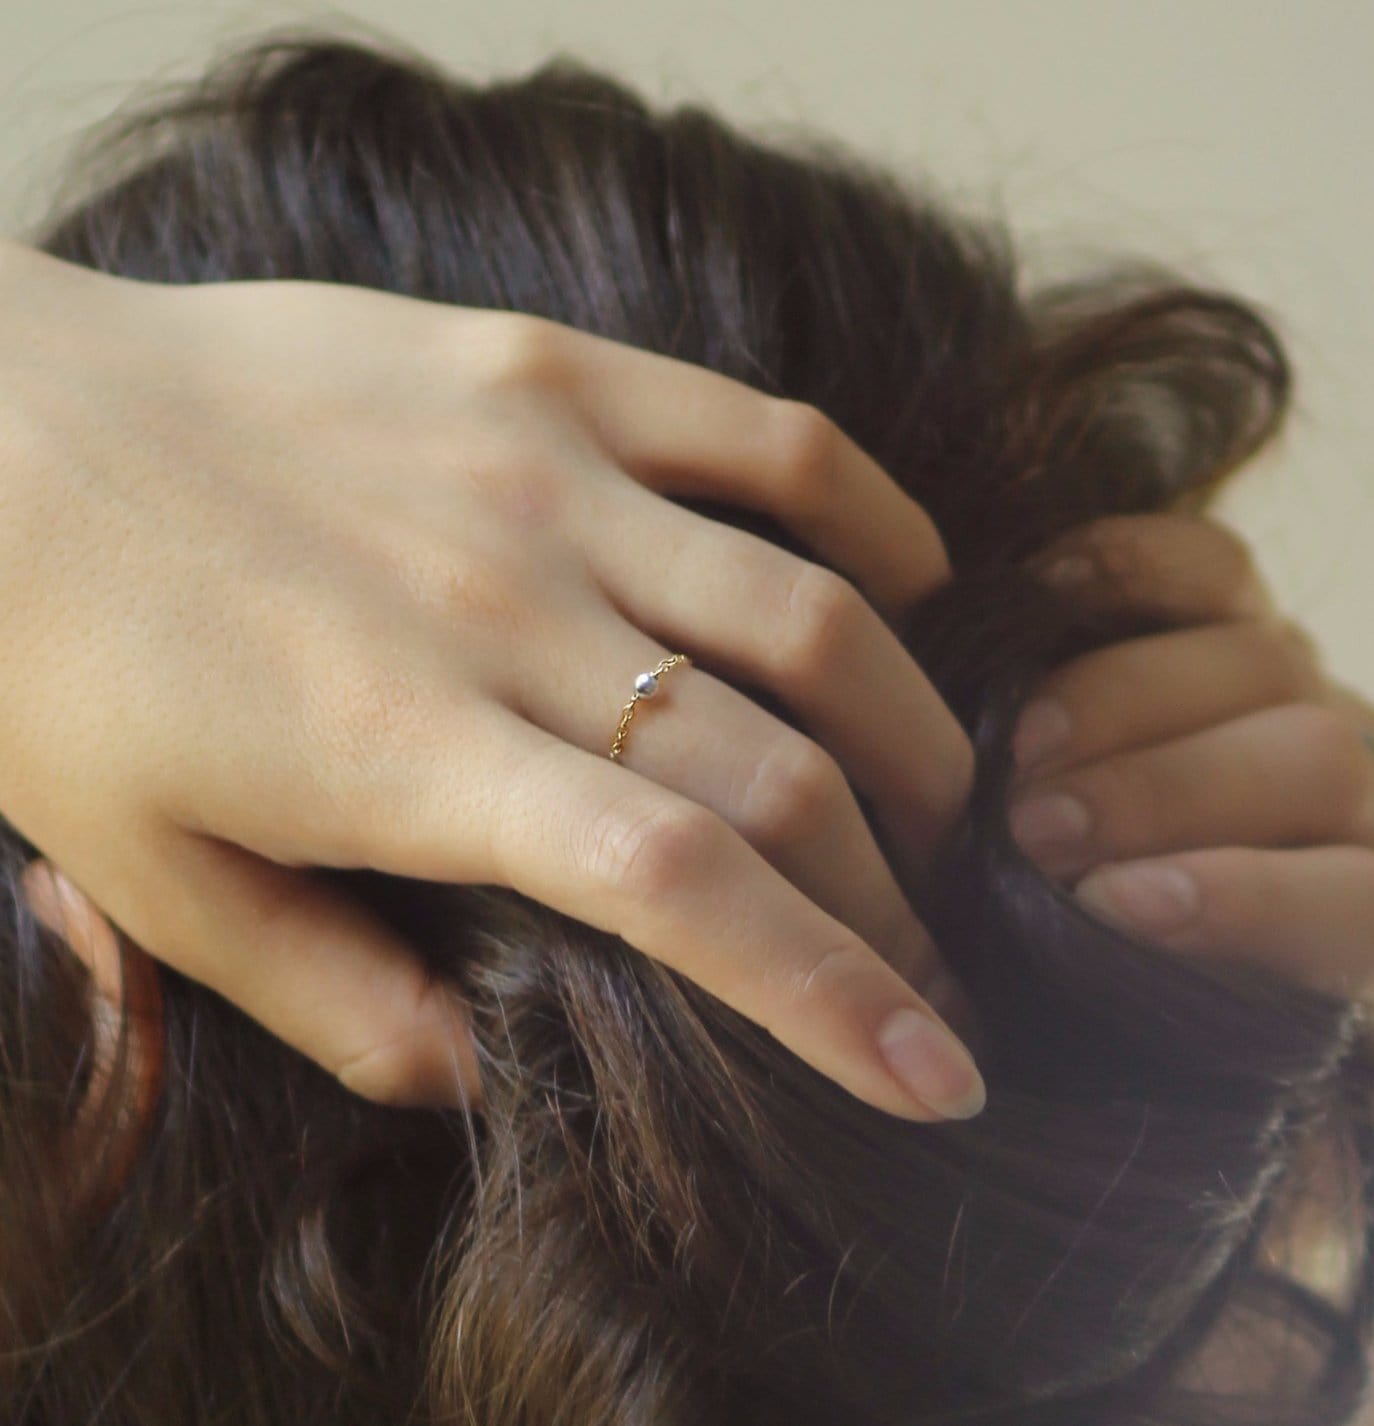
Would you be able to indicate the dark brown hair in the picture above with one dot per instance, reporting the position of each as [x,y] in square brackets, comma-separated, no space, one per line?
[664,1217]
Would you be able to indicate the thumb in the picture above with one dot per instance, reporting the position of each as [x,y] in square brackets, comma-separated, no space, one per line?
[317,969]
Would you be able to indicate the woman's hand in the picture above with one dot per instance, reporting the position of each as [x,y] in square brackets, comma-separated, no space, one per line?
[1210,788]
[300,575]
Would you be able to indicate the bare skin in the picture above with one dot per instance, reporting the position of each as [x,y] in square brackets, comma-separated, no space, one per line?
[374,625]
[1226,778]
[1170,740]
[299,575]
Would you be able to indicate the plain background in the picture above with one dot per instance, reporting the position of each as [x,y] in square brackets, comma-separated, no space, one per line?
[1229,137]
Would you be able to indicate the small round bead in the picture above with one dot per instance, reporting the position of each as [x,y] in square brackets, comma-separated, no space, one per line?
[646,685]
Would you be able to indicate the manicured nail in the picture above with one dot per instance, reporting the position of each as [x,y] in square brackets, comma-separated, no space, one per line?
[1049,822]
[931,1064]
[1043,728]
[1154,897]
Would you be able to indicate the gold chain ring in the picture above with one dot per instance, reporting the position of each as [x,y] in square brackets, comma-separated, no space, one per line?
[646,686]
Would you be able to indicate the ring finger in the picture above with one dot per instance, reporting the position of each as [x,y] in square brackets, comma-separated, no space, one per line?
[706,740]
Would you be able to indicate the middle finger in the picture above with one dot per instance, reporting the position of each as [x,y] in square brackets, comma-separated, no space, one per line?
[805,634]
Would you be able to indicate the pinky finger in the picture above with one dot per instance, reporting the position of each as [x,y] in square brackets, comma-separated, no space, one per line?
[1305,913]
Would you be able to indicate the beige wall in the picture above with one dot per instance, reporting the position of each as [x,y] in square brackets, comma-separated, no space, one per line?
[1227,135]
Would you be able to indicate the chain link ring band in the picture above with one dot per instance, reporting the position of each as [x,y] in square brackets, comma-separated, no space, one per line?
[646,686]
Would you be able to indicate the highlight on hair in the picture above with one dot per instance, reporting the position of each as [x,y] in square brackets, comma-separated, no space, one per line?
[663,1216]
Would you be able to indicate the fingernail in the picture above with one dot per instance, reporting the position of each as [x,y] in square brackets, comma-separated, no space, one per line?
[1154,897]
[931,1064]
[1042,729]
[1050,822]
[1069,572]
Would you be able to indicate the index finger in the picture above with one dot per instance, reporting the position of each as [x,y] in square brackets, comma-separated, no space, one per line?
[683,429]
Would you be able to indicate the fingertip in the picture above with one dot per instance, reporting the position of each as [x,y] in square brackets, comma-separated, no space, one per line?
[1153,898]
[931,1064]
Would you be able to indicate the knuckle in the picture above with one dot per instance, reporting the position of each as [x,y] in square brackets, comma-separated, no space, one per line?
[805,443]
[526,351]
[1231,564]
[817,976]
[1294,636]
[1226,545]
[1334,756]
[795,791]
[1239,557]
[650,853]
[822,614]
[1289,655]
[1324,736]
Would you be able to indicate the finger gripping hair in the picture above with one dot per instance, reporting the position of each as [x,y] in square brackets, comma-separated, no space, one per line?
[662,1215]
